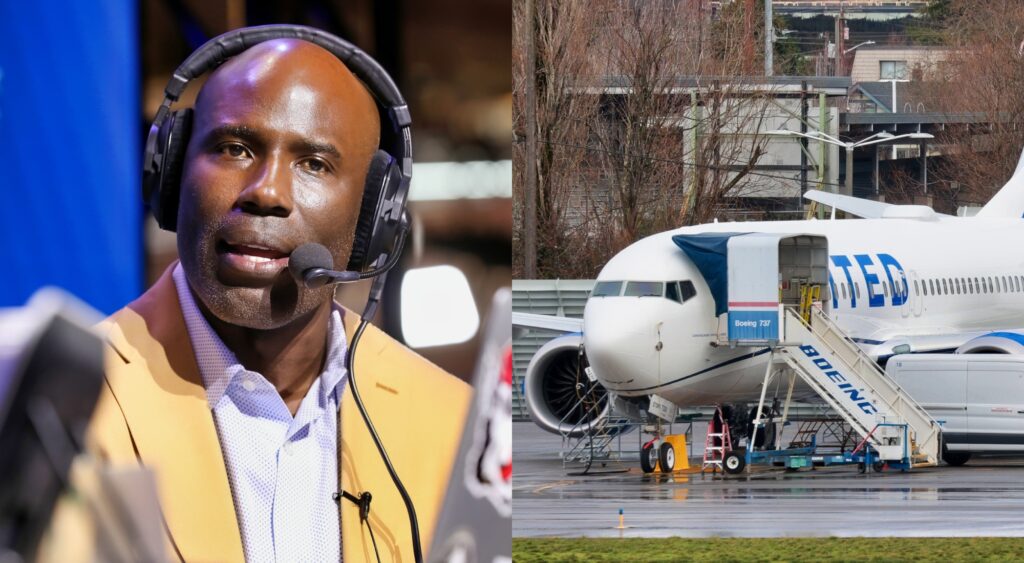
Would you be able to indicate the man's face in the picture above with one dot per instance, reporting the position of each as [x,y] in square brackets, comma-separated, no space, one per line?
[281,142]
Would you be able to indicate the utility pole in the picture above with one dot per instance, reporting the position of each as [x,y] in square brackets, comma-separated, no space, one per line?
[803,140]
[769,38]
[824,128]
[840,42]
[748,38]
[530,191]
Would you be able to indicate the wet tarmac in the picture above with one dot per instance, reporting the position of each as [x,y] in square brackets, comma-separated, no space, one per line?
[983,498]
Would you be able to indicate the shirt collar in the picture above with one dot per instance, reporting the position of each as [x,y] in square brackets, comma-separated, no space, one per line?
[218,364]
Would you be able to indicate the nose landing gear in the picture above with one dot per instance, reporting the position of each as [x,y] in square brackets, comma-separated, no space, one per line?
[664,454]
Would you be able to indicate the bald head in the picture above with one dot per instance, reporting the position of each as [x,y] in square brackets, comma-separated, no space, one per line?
[282,139]
[295,68]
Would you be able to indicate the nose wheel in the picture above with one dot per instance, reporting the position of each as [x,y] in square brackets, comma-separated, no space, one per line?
[657,457]
[648,457]
[667,457]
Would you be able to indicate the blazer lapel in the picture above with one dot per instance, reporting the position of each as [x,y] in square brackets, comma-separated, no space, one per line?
[400,390]
[160,391]
[355,541]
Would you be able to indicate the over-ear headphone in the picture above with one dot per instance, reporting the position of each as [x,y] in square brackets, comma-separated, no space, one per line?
[382,219]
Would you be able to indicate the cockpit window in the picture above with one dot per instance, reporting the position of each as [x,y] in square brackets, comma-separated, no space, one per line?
[687,290]
[607,289]
[672,292]
[644,289]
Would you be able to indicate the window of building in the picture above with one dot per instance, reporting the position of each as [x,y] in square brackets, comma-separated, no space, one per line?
[889,70]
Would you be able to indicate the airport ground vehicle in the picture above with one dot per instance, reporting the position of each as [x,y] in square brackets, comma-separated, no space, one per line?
[977,398]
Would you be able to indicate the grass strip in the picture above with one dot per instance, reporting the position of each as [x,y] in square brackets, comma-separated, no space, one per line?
[557,550]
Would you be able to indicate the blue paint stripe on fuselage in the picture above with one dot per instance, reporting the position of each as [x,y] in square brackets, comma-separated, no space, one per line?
[703,371]
[1019,339]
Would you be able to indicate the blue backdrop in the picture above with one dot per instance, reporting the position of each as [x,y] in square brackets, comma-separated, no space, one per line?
[70,163]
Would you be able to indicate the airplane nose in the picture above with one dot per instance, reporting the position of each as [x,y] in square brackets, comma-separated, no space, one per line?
[620,335]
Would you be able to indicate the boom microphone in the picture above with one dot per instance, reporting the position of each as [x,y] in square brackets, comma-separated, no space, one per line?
[311,264]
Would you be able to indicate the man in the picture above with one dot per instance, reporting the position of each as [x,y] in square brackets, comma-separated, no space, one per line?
[227,378]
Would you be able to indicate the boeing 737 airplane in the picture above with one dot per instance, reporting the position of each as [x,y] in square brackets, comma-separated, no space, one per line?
[901,278]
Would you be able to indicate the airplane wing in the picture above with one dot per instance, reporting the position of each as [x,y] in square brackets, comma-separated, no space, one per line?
[546,322]
[872,209]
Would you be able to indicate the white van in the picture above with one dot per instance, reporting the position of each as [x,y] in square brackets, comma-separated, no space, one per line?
[978,399]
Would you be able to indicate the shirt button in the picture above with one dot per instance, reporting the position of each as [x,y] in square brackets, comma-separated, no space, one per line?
[249,385]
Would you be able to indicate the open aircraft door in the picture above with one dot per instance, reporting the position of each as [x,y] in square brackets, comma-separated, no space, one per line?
[770,271]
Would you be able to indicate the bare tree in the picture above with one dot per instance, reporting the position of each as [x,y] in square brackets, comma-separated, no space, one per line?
[983,75]
[644,123]
[563,33]
[678,130]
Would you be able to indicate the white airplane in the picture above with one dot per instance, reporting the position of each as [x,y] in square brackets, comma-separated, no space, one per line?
[902,278]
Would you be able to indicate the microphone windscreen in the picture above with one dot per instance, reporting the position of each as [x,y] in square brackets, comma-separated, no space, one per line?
[307,256]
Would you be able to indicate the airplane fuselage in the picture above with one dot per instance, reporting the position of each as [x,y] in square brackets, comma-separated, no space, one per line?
[932,283]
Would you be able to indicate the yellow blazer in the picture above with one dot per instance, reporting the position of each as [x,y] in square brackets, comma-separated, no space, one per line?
[154,411]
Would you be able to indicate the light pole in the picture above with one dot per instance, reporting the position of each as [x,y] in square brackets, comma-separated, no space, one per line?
[858,45]
[880,137]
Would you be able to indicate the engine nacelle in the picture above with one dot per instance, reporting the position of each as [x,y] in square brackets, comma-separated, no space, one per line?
[559,395]
[994,343]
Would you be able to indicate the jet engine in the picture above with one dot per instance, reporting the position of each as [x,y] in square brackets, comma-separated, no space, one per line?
[559,395]
[994,343]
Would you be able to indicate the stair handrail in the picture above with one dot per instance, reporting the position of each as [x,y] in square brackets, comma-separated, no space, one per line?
[860,357]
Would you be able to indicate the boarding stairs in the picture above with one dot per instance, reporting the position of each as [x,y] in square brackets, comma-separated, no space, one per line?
[876,408]
[830,433]
[602,442]
[717,443]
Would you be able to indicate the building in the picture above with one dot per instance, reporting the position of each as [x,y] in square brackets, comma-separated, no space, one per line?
[874,64]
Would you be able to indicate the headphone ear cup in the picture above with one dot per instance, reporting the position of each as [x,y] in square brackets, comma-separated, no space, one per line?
[172,142]
[374,190]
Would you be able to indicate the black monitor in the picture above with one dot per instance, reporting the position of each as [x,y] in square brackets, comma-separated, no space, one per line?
[51,370]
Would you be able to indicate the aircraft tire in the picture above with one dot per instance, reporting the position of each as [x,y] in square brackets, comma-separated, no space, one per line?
[648,458]
[734,462]
[667,457]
